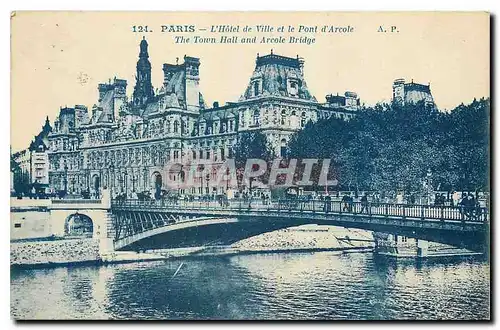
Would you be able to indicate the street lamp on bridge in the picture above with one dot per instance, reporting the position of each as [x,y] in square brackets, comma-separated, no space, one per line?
[429,185]
[207,178]
[202,168]
[181,177]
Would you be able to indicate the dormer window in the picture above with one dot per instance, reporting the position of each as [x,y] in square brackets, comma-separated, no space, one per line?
[256,86]
[293,87]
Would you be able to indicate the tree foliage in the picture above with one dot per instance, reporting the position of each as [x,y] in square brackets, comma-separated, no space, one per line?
[251,144]
[391,147]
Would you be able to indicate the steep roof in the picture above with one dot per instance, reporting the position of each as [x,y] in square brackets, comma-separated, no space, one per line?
[274,72]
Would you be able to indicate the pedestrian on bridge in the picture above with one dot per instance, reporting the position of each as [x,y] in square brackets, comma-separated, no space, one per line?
[364,203]
[345,202]
[328,203]
[350,202]
[470,206]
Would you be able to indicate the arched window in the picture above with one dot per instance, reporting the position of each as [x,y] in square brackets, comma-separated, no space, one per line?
[256,117]
[184,127]
[283,117]
[283,148]
[168,126]
[176,126]
[303,119]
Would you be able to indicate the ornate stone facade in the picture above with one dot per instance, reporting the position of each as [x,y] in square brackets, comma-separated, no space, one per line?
[125,144]
[30,167]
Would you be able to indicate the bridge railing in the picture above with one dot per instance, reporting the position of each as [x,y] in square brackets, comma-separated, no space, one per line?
[76,201]
[457,213]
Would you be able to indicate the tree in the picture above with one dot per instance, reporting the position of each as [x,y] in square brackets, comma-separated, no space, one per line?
[251,144]
[390,147]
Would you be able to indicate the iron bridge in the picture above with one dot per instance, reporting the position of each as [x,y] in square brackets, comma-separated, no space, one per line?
[136,220]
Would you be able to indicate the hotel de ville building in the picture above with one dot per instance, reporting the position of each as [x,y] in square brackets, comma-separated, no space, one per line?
[124,143]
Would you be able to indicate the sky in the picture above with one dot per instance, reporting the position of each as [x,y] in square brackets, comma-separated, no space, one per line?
[58,58]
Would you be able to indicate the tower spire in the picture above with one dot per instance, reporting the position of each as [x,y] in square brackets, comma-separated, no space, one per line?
[143,90]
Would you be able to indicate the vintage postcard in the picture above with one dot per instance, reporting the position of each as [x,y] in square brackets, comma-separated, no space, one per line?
[250,166]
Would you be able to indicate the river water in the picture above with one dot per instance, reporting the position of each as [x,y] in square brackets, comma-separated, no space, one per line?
[316,285]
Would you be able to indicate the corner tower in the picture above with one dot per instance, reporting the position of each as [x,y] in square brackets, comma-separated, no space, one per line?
[143,90]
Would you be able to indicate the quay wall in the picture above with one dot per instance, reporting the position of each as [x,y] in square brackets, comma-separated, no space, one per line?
[29,223]
[64,251]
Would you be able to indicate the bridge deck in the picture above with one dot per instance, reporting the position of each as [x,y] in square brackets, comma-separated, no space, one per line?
[402,211]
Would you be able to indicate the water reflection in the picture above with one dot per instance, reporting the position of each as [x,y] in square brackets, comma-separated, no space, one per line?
[324,285]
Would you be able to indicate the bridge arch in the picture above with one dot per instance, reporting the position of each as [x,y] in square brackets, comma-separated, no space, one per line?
[78,225]
[173,233]
[442,225]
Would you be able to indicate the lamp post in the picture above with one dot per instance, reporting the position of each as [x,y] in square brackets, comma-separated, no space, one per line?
[250,186]
[181,176]
[227,180]
[207,178]
[250,192]
[202,168]
[429,186]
